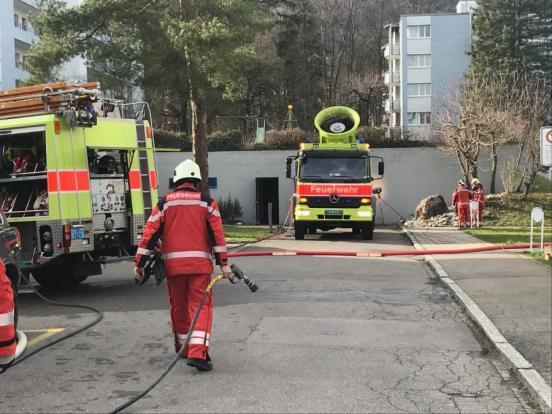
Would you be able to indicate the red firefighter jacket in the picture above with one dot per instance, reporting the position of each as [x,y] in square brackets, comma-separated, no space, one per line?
[7,318]
[190,227]
[461,195]
[479,194]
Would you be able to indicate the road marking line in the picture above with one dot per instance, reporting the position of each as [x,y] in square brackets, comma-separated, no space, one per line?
[46,333]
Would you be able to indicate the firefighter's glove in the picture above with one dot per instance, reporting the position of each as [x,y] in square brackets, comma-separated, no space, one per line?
[138,274]
[226,272]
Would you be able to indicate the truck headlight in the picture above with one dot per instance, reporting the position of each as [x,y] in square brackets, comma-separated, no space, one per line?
[364,214]
[303,213]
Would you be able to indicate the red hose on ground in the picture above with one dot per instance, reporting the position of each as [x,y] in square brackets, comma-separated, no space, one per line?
[389,253]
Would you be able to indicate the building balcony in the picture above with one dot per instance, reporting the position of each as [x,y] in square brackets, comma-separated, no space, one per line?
[391,78]
[392,105]
[391,50]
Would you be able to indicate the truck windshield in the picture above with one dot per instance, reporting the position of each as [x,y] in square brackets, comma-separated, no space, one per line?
[334,169]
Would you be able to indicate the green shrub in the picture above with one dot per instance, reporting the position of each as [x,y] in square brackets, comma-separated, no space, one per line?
[168,139]
[284,139]
[230,210]
[225,140]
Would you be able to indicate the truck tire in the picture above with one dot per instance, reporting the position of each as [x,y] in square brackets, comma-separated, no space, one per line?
[58,276]
[299,229]
[368,231]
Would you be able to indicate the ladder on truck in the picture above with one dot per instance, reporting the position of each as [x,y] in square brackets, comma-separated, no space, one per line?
[144,169]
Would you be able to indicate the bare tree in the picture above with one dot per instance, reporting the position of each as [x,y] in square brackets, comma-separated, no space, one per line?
[476,113]
[534,111]
[456,126]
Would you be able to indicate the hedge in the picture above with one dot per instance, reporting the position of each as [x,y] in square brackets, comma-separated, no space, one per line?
[287,139]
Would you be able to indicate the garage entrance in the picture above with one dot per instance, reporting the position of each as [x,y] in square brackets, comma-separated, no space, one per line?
[267,192]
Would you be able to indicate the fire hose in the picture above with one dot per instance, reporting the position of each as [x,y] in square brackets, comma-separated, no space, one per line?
[237,276]
[384,253]
[22,354]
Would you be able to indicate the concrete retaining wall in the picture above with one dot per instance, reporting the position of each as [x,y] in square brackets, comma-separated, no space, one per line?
[410,175]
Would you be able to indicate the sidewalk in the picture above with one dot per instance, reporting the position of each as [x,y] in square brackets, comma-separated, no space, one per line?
[514,291]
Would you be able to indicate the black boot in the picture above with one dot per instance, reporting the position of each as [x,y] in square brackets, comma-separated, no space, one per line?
[200,364]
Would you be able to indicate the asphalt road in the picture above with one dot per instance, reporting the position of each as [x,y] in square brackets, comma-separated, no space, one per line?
[322,334]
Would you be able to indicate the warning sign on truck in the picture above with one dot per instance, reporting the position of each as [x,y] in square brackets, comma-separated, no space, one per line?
[546,146]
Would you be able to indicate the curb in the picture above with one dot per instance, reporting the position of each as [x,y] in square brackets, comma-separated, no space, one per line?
[530,378]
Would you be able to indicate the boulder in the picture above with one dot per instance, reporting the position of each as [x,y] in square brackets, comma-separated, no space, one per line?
[431,206]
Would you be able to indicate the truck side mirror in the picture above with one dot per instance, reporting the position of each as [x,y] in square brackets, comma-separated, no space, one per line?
[289,160]
[381,168]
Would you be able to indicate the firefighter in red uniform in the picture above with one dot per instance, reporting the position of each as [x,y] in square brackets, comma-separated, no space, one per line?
[8,338]
[461,200]
[190,227]
[479,196]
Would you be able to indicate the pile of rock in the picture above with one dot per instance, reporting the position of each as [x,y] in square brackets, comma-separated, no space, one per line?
[443,220]
[432,211]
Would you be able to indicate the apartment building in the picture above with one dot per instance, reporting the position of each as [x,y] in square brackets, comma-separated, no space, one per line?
[427,54]
[16,37]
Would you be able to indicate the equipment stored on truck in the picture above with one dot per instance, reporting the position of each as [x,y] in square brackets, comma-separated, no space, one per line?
[333,177]
[77,179]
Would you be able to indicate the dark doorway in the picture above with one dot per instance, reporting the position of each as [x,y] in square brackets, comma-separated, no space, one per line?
[267,192]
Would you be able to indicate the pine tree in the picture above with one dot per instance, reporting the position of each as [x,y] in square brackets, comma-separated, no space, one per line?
[513,36]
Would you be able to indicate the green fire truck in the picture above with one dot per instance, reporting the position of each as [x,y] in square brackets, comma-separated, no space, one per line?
[79,193]
[333,177]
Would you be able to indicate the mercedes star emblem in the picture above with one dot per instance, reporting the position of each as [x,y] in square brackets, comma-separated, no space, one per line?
[334,198]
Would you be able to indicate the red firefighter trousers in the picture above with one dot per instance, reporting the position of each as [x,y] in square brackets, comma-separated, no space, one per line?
[185,292]
[463,211]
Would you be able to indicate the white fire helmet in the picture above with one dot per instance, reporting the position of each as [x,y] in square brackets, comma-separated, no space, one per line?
[187,169]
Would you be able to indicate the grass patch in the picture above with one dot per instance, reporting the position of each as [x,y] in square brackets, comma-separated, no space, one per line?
[242,234]
[509,235]
[539,257]
[508,218]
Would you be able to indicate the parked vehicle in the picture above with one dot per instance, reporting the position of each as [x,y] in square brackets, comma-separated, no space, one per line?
[333,178]
[77,185]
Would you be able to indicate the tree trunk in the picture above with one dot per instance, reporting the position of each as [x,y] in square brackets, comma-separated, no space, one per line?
[199,140]
[183,116]
[494,164]
[473,171]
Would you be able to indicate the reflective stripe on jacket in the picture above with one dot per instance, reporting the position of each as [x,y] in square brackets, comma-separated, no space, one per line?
[461,196]
[7,318]
[479,195]
[190,227]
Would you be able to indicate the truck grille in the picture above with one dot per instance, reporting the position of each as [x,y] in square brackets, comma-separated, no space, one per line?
[324,202]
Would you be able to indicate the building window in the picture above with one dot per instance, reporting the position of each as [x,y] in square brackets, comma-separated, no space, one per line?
[419,31]
[24,62]
[18,62]
[419,118]
[16,20]
[24,24]
[419,89]
[419,61]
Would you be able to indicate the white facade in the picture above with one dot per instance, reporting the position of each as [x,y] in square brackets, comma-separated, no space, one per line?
[410,175]
[426,53]
[16,37]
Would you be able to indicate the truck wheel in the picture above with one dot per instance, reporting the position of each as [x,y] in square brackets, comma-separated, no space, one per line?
[368,231]
[299,231]
[57,276]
